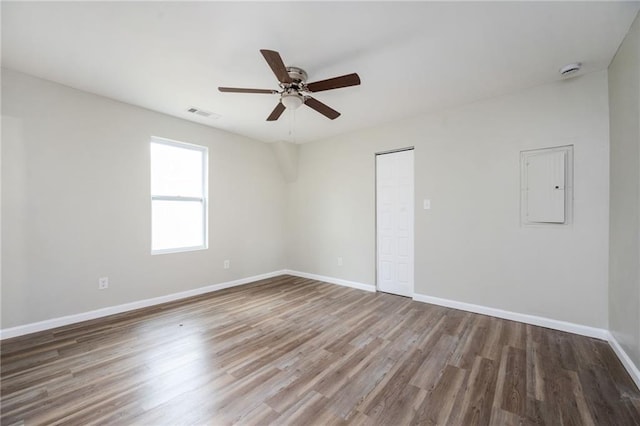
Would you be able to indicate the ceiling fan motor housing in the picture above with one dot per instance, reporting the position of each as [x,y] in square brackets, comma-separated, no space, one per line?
[298,75]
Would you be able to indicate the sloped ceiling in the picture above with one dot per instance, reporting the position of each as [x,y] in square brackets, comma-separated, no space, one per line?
[412,57]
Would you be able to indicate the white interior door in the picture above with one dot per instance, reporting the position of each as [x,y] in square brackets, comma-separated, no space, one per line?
[394,222]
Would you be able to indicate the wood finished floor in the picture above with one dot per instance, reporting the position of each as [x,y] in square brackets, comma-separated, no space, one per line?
[294,351]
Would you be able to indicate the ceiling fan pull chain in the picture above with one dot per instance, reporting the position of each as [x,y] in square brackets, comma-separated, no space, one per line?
[292,117]
[293,127]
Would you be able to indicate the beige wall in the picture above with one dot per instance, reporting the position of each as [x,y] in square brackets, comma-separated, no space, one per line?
[470,246]
[75,204]
[624,275]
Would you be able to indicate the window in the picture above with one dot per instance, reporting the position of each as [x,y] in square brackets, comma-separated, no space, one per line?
[178,196]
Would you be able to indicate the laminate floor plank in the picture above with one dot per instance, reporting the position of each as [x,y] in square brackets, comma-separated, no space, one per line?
[389,395]
[476,406]
[435,361]
[437,406]
[514,386]
[348,398]
[295,351]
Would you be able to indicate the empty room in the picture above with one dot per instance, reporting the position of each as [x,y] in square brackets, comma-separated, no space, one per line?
[320,213]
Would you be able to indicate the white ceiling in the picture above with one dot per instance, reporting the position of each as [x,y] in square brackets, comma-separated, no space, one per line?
[411,56]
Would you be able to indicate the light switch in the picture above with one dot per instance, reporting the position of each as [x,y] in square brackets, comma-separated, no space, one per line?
[426,204]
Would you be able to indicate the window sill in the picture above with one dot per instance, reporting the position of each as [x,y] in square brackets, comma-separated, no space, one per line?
[178,250]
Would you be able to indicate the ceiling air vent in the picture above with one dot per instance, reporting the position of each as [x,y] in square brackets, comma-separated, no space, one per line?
[203,113]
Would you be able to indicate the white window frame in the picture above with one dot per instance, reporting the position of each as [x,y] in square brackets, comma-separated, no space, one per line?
[204,199]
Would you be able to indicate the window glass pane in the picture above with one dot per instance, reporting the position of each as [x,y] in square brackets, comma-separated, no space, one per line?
[176,171]
[176,224]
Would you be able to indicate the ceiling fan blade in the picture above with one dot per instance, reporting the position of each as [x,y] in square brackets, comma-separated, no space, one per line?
[277,65]
[240,90]
[321,108]
[277,112]
[334,83]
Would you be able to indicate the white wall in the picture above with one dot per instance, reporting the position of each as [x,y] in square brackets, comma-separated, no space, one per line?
[470,247]
[624,275]
[75,207]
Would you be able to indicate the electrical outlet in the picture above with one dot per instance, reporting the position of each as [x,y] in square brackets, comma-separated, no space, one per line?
[339,261]
[103,283]
[227,264]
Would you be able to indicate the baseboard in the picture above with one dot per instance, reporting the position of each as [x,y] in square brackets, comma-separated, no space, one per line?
[583,330]
[338,281]
[111,310]
[628,364]
[479,309]
[569,327]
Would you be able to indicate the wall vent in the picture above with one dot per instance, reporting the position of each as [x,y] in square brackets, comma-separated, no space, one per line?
[203,113]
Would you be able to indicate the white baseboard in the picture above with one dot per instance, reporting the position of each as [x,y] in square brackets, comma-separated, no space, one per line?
[598,333]
[103,312]
[338,281]
[631,368]
[479,309]
[583,330]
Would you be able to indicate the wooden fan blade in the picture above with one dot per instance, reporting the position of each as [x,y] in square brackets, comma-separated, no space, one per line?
[277,112]
[334,83]
[321,108]
[239,90]
[277,66]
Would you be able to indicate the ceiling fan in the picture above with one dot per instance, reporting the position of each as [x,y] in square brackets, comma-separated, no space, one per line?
[295,89]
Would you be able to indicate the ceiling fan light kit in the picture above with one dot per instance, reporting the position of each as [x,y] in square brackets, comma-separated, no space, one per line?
[294,88]
[291,100]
